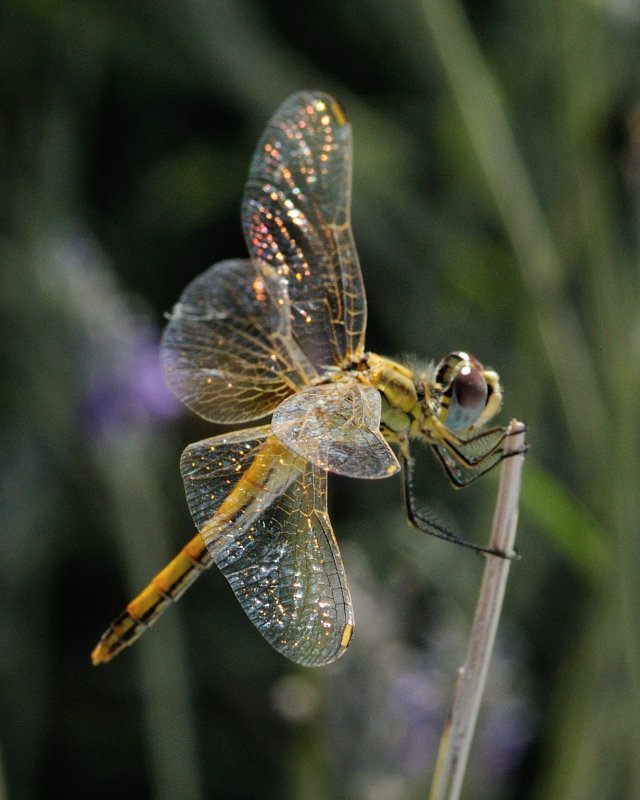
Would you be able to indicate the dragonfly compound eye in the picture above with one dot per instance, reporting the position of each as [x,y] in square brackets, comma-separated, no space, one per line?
[468,395]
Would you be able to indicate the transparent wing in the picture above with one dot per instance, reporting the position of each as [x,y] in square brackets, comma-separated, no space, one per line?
[262,512]
[296,220]
[336,426]
[228,351]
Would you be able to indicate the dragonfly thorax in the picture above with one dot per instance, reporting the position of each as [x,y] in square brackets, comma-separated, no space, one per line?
[458,393]
[399,391]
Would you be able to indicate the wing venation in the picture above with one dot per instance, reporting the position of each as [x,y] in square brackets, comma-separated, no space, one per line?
[336,426]
[263,514]
[296,219]
[228,352]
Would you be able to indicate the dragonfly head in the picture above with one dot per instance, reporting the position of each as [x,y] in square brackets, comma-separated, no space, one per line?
[464,393]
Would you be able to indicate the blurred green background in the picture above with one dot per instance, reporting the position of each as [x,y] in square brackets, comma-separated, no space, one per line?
[496,209]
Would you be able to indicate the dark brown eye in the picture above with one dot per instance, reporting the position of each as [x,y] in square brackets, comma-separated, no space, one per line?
[469,394]
[470,388]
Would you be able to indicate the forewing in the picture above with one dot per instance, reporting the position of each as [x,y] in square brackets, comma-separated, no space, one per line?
[296,220]
[271,536]
[336,426]
[227,351]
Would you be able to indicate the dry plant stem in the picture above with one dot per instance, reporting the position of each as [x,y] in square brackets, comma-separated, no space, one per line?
[459,729]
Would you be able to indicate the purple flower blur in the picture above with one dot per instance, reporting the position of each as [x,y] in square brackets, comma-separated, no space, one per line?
[113,344]
[132,391]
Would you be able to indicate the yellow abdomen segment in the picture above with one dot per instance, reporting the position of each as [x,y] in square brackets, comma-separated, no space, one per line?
[144,610]
[263,475]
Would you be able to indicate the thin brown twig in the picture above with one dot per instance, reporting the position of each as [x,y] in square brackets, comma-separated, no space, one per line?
[459,729]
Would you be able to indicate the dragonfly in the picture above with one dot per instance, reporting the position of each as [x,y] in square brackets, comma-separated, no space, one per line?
[282,334]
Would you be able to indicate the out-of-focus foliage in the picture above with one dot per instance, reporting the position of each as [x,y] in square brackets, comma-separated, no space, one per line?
[496,208]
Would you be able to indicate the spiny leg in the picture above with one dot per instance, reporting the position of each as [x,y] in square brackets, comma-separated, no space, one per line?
[463,467]
[423,523]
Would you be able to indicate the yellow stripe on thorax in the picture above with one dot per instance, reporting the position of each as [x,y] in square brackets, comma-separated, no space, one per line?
[397,386]
[394,381]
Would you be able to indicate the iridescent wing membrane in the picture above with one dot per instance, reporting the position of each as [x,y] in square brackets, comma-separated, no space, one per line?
[336,426]
[296,220]
[275,545]
[245,336]
[227,351]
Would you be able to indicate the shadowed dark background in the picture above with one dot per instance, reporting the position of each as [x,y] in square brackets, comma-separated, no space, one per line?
[495,208]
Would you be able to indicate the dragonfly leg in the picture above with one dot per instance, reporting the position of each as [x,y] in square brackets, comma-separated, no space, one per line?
[466,460]
[425,523]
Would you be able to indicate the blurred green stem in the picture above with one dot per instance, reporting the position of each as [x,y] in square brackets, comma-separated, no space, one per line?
[3,785]
[591,752]
[485,118]
[127,466]
[601,414]
[164,673]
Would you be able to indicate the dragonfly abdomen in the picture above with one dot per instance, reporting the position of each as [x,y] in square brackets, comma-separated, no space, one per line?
[165,588]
